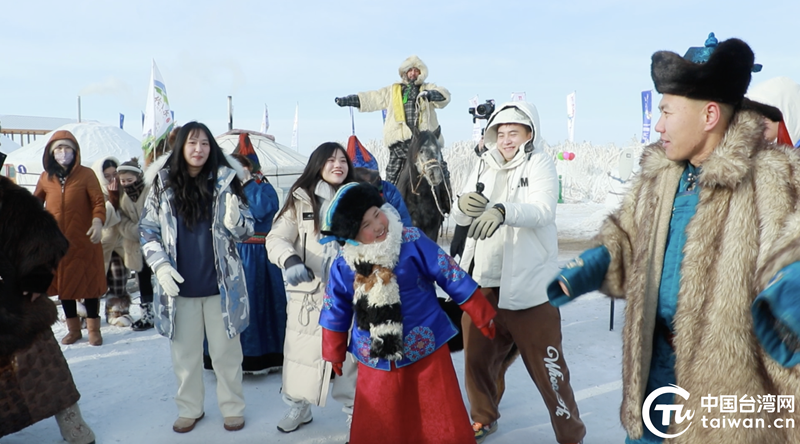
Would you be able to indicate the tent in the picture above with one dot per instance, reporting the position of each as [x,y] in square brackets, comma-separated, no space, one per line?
[281,166]
[7,145]
[97,140]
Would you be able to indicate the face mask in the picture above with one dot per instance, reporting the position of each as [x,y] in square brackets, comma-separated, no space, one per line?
[64,158]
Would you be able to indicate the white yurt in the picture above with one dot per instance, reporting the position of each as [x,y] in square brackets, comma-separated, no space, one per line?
[7,145]
[96,140]
[279,164]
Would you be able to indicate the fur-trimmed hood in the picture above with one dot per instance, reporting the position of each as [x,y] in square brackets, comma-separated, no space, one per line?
[97,167]
[413,62]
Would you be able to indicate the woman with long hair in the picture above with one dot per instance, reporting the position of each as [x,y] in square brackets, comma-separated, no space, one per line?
[293,244]
[194,214]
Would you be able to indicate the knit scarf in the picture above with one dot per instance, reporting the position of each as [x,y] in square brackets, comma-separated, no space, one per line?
[376,293]
[134,190]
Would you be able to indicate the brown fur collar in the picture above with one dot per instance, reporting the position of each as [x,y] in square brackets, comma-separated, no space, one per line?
[746,227]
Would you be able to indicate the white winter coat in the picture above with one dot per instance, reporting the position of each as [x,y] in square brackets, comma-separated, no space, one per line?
[305,374]
[128,227]
[390,99]
[527,240]
[111,240]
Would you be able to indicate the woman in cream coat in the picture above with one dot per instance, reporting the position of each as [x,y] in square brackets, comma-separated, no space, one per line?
[293,244]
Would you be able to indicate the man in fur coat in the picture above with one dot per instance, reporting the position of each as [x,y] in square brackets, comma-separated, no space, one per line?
[704,249]
[35,381]
[410,107]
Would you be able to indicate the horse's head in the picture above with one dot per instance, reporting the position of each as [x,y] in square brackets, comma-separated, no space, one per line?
[425,154]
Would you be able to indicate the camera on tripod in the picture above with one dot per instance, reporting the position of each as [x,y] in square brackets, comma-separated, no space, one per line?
[482,111]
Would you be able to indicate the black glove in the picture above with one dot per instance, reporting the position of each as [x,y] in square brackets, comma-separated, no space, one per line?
[351,100]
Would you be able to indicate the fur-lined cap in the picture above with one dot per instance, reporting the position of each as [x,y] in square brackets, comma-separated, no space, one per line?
[724,78]
[768,111]
[413,62]
[343,219]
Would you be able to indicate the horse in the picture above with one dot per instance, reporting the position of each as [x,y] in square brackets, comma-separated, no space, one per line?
[423,185]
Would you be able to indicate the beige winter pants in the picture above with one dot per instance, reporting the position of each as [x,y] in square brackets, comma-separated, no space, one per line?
[193,318]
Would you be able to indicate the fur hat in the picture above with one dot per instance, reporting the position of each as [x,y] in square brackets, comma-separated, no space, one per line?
[343,218]
[723,78]
[768,111]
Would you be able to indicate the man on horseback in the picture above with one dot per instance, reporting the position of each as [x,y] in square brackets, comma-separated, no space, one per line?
[509,204]
[410,105]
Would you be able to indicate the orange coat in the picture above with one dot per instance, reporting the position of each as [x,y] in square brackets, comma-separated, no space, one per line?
[81,273]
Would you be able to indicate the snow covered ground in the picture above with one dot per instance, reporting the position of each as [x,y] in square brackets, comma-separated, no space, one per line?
[127,385]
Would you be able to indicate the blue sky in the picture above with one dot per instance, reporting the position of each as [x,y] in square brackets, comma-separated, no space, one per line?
[308,52]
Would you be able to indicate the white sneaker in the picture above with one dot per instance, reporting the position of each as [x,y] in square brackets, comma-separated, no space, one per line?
[295,417]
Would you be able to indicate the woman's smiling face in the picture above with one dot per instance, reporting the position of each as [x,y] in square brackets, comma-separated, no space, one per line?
[335,169]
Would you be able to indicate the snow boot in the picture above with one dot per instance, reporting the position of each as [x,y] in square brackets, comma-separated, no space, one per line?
[146,321]
[73,428]
[74,327]
[93,325]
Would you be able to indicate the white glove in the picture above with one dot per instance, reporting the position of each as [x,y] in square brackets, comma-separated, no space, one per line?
[232,213]
[95,233]
[169,278]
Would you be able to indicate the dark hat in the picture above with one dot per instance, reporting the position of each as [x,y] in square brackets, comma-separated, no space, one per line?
[721,73]
[343,219]
[768,111]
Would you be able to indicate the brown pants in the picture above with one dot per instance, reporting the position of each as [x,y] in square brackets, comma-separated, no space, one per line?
[537,333]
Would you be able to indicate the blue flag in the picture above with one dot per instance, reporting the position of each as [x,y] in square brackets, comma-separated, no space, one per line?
[121,121]
[647,114]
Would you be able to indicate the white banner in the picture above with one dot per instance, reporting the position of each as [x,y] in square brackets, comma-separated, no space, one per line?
[265,120]
[518,97]
[571,116]
[294,129]
[157,117]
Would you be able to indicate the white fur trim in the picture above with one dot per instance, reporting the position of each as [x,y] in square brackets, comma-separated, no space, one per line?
[388,329]
[386,253]
[382,295]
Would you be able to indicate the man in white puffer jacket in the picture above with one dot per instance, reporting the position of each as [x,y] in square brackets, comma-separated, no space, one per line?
[509,204]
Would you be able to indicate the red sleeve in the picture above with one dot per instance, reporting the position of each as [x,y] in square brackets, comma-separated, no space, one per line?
[479,309]
[334,345]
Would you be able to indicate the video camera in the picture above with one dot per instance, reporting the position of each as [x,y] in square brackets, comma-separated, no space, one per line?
[483,111]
